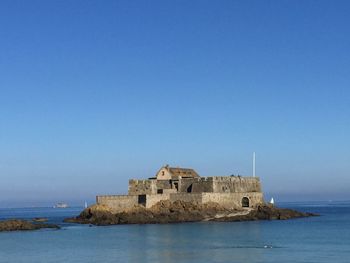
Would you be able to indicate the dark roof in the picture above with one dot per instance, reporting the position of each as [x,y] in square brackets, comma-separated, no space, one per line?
[183,172]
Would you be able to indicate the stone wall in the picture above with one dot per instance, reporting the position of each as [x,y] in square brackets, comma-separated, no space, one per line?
[187,197]
[196,185]
[204,185]
[233,200]
[153,199]
[141,187]
[169,191]
[236,184]
[184,184]
[118,203]
[164,184]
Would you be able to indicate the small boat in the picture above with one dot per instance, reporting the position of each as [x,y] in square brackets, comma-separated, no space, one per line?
[272,202]
[60,205]
[85,205]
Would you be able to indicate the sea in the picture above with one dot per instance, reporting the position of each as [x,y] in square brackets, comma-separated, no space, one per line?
[325,238]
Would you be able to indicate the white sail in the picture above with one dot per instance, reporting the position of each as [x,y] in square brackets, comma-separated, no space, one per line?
[272,201]
[85,205]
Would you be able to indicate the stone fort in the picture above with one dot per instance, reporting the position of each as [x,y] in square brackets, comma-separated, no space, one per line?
[173,183]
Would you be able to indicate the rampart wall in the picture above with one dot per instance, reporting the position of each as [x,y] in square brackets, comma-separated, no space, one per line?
[187,197]
[163,184]
[137,187]
[153,199]
[236,184]
[118,203]
[196,185]
[233,200]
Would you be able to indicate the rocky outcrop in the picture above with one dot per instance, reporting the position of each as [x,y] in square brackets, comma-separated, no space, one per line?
[96,215]
[265,213]
[180,211]
[16,225]
[162,212]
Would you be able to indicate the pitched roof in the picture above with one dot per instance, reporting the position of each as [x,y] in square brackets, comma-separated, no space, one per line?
[183,172]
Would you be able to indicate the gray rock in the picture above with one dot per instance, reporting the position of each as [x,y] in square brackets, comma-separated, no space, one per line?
[17,225]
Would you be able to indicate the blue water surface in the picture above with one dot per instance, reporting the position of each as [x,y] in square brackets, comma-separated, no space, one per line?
[317,239]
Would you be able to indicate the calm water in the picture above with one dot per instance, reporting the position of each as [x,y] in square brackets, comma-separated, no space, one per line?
[318,239]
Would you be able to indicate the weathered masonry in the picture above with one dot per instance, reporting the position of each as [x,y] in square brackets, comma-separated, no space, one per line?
[186,185]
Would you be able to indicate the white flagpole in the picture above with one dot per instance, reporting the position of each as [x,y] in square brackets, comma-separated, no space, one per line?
[253,164]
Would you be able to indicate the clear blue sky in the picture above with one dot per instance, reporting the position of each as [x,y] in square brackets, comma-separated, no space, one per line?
[96,92]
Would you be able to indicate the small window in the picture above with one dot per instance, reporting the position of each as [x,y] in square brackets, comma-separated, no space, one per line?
[159,191]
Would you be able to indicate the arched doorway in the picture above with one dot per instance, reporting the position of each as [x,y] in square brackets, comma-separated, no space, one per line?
[189,189]
[245,202]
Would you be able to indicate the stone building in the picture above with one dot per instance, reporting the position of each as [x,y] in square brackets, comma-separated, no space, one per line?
[185,184]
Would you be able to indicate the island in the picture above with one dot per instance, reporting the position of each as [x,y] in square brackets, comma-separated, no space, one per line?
[176,195]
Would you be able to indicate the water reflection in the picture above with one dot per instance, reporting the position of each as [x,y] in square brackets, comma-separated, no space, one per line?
[196,242]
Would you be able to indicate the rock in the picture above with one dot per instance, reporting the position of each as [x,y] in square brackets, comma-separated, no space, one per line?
[40,219]
[16,225]
[265,212]
[96,215]
[180,211]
